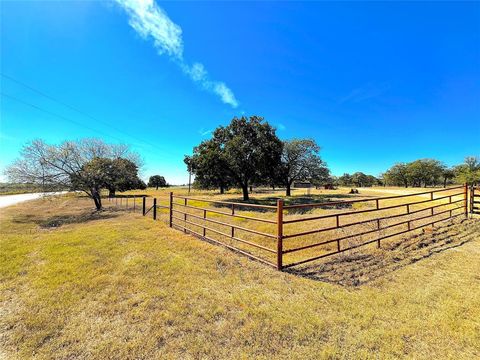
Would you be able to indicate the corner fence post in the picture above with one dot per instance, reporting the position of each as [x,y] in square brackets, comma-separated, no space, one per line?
[154,208]
[171,209]
[279,235]
[143,206]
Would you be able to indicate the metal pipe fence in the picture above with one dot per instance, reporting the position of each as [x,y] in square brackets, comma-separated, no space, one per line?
[278,236]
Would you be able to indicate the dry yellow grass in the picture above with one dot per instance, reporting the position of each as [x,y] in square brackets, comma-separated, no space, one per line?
[116,285]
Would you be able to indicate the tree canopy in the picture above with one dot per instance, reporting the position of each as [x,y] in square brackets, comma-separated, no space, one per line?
[157,181]
[418,173]
[358,179]
[123,176]
[87,165]
[469,171]
[209,165]
[245,152]
[300,160]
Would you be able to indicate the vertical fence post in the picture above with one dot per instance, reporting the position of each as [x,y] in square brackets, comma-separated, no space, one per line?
[185,215]
[472,198]
[204,223]
[134,202]
[154,208]
[378,229]
[232,231]
[143,205]
[279,234]
[466,200]
[171,209]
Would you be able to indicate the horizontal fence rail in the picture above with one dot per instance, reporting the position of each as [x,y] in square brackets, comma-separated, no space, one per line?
[411,212]
[283,236]
[475,200]
[222,226]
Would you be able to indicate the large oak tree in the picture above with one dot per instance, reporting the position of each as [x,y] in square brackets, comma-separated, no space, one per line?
[300,160]
[245,152]
[157,181]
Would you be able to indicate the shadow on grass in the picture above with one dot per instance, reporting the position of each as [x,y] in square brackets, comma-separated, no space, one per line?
[361,267]
[59,220]
[294,200]
[126,196]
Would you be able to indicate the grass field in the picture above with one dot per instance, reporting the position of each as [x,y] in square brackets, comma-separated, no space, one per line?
[79,284]
[12,189]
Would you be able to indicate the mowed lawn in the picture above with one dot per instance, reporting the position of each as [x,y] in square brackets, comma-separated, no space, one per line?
[80,285]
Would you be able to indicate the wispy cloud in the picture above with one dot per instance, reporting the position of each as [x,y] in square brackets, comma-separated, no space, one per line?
[4,136]
[368,91]
[281,127]
[204,132]
[152,22]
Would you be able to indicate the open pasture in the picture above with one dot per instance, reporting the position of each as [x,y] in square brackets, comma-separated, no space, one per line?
[313,225]
[75,283]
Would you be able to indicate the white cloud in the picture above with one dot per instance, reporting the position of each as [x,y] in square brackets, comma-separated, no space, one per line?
[197,72]
[152,22]
[368,91]
[225,94]
[204,132]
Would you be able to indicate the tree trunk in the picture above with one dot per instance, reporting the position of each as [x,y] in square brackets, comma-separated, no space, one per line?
[222,190]
[251,188]
[157,187]
[97,199]
[289,189]
[245,192]
[111,193]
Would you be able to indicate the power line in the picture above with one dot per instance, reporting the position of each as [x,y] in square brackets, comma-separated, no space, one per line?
[57,115]
[76,110]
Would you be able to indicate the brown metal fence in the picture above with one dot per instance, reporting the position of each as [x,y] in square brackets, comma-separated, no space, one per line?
[283,236]
[387,217]
[188,214]
[138,203]
[475,200]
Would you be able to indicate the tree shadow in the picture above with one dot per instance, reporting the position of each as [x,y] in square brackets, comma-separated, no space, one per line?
[56,221]
[295,200]
[360,267]
[126,196]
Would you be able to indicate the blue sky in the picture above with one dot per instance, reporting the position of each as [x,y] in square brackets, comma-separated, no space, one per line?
[373,83]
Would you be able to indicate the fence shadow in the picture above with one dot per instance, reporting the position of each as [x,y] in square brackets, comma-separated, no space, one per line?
[362,266]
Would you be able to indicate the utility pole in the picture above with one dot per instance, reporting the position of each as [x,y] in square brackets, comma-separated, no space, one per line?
[189,180]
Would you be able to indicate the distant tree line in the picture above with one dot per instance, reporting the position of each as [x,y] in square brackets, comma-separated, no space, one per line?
[431,172]
[358,179]
[247,153]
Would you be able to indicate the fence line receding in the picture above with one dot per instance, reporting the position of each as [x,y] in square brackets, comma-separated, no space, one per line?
[287,235]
